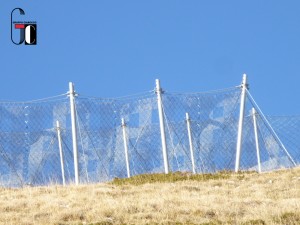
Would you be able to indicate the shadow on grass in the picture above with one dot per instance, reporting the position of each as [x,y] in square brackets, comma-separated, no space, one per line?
[286,218]
[175,177]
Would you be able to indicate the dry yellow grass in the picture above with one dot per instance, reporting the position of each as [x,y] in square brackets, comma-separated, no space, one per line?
[271,198]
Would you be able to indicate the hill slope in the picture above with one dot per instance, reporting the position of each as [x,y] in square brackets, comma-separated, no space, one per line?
[224,198]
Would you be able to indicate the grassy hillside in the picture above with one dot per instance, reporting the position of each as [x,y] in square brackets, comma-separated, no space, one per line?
[223,198]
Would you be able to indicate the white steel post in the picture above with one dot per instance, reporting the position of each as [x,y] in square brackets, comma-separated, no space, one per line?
[241,121]
[74,131]
[162,126]
[125,147]
[256,139]
[61,155]
[188,123]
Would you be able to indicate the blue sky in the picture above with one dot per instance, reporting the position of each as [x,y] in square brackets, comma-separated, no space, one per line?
[115,48]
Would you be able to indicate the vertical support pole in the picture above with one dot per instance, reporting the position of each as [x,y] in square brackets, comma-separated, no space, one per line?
[241,121]
[188,123]
[125,147]
[256,139]
[61,155]
[162,126]
[74,131]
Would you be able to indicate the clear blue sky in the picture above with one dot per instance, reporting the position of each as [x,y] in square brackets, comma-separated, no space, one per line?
[115,48]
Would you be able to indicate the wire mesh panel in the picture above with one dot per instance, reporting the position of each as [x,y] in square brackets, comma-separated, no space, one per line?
[214,118]
[272,152]
[27,142]
[98,137]
[102,155]
[288,130]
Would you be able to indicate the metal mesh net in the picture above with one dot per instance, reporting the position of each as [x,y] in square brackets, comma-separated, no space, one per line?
[29,150]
